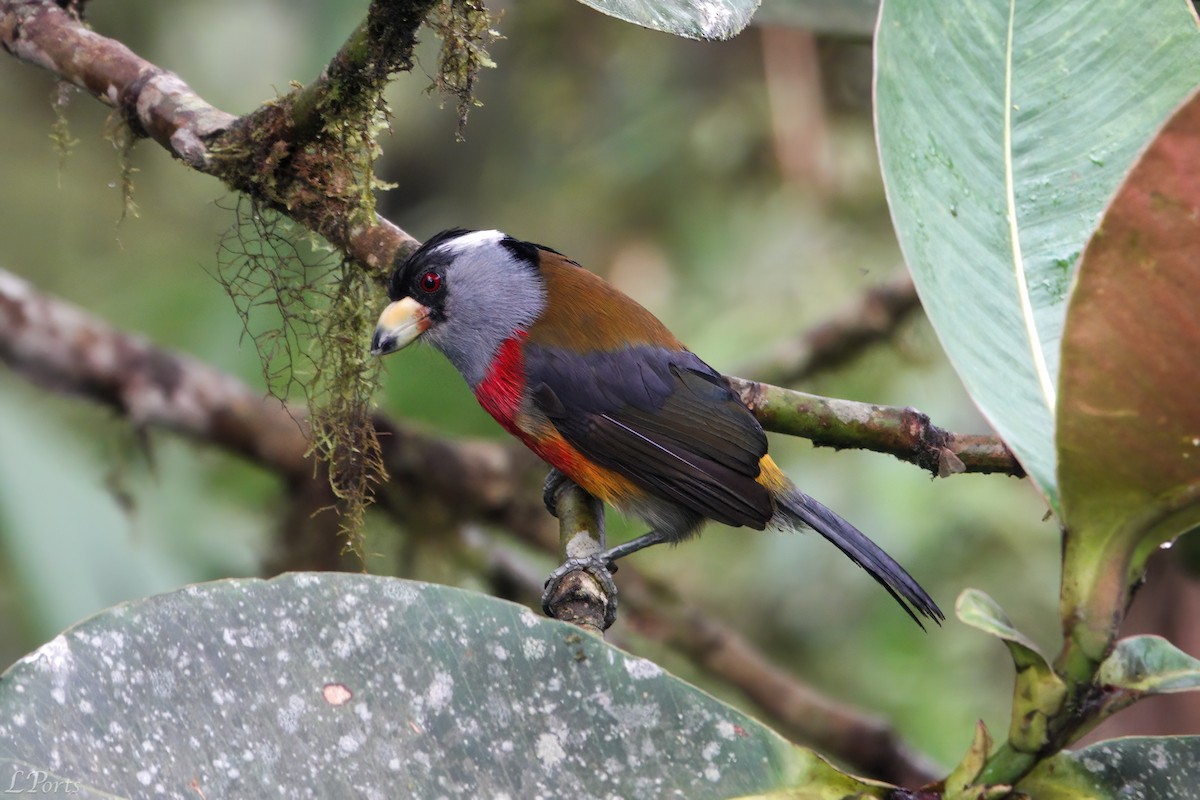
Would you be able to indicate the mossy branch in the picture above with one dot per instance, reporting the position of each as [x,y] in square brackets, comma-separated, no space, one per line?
[465,29]
[261,154]
[349,87]
[905,433]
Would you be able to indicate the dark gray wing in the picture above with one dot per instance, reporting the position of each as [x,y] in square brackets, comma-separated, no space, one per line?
[662,418]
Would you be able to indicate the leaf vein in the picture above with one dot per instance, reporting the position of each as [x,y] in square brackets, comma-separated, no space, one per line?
[1045,381]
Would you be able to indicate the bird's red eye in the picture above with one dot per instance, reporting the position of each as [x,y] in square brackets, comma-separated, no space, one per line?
[431,282]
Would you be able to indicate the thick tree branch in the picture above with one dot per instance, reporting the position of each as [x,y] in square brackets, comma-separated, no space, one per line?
[871,318]
[379,47]
[264,154]
[154,102]
[308,155]
[67,350]
[64,349]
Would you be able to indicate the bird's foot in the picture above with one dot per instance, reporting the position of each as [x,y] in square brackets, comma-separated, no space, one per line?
[552,489]
[576,590]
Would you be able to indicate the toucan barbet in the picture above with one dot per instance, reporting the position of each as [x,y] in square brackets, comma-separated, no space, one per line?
[598,388]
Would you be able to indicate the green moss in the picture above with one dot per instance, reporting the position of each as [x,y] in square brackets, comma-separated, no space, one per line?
[60,131]
[465,28]
[123,139]
[309,156]
[309,314]
[346,379]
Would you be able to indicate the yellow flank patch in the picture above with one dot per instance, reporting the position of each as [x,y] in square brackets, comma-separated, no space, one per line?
[771,476]
[611,487]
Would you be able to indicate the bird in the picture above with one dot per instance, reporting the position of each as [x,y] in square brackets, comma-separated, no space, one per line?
[604,393]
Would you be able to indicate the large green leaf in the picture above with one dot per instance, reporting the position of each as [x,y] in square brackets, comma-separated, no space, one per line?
[1129,420]
[1166,768]
[695,19]
[337,685]
[1004,126]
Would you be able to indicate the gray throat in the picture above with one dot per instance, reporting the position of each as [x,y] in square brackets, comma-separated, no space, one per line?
[488,302]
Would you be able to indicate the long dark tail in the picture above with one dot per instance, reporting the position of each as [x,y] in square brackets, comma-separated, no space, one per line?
[862,551]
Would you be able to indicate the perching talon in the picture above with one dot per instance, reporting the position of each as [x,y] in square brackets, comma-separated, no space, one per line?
[574,590]
[552,489]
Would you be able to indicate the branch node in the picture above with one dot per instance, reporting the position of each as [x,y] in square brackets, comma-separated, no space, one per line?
[129,97]
[582,592]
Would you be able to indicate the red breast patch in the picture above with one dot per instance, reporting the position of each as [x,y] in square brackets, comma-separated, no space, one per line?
[500,390]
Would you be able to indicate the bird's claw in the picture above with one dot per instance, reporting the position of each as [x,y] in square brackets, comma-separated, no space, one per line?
[572,600]
[552,489]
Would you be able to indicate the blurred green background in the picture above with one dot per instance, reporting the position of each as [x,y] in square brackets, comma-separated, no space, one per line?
[682,171]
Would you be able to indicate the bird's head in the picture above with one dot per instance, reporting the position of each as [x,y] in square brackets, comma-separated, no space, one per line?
[465,293]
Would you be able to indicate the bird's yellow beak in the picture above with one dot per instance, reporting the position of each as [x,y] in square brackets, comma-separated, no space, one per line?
[400,324]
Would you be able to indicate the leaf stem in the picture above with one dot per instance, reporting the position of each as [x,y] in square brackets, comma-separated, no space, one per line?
[1006,767]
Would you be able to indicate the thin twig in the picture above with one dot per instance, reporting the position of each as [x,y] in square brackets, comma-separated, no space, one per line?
[581,595]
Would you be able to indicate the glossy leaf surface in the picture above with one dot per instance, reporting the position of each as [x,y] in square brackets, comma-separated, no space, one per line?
[977,609]
[697,19]
[1134,767]
[332,685]
[1145,665]
[1004,127]
[1038,692]
[1129,420]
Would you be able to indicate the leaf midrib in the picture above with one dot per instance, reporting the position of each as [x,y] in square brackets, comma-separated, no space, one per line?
[1045,381]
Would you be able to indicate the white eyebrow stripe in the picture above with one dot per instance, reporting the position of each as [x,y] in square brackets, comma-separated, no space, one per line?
[473,239]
